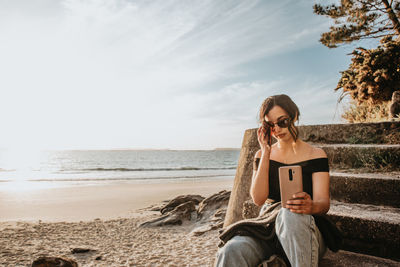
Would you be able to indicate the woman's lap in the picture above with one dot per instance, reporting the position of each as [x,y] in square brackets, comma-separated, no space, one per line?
[242,251]
[297,233]
[300,238]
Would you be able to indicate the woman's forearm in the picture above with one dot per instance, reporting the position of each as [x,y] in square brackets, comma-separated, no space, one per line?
[260,185]
[320,206]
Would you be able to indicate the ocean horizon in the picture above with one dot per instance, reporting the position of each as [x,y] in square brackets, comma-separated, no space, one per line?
[61,168]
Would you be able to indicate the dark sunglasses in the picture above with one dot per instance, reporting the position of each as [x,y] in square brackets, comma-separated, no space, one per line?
[282,123]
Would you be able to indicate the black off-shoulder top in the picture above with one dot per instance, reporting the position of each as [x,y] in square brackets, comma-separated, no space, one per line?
[308,167]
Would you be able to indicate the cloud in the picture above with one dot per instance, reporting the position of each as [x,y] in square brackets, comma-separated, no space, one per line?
[112,73]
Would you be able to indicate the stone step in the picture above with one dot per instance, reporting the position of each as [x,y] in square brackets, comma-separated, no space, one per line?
[368,229]
[366,188]
[352,133]
[367,157]
[346,258]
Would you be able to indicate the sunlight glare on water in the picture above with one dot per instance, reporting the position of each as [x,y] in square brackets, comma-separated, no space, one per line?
[17,165]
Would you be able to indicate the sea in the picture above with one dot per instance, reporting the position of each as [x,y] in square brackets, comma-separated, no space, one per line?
[22,170]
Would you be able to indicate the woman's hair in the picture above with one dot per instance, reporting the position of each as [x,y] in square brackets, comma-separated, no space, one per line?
[288,105]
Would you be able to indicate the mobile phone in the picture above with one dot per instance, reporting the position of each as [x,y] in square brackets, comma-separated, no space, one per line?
[290,182]
[267,132]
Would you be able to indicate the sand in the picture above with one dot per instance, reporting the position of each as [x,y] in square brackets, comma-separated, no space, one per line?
[104,201]
[117,242]
[105,218]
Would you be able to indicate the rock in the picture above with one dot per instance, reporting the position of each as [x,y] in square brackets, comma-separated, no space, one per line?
[219,214]
[98,258]
[174,217]
[205,228]
[212,203]
[156,208]
[215,221]
[179,200]
[201,230]
[81,250]
[211,211]
[54,262]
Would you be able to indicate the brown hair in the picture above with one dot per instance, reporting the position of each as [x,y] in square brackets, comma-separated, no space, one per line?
[288,105]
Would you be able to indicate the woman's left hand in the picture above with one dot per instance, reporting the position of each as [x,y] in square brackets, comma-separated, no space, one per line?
[300,203]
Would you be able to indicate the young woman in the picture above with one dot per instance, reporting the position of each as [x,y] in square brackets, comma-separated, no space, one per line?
[295,226]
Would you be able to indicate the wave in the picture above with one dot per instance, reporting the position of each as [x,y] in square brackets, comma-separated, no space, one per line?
[126,178]
[151,169]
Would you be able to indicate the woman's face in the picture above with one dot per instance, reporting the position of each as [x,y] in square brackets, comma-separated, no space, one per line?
[277,114]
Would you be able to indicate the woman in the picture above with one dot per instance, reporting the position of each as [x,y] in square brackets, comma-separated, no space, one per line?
[295,226]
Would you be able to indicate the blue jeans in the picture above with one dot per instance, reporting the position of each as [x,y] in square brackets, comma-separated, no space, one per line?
[297,233]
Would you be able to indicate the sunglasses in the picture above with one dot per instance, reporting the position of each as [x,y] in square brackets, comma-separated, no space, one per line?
[282,123]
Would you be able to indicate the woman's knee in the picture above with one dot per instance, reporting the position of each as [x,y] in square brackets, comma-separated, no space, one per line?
[240,251]
[291,221]
[237,245]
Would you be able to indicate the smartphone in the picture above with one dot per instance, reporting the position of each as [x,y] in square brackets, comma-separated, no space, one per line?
[290,182]
[267,132]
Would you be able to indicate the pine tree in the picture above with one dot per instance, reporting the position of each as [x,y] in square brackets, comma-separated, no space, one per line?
[360,19]
[374,74]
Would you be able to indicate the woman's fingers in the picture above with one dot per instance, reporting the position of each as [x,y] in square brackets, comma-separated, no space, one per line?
[302,203]
[262,139]
[298,211]
[260,134]
[301,195]
[296,202]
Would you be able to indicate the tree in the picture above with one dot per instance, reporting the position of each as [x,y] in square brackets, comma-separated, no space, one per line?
[374,74]
[360,19]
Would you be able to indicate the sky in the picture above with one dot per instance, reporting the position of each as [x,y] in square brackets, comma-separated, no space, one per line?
[161,74]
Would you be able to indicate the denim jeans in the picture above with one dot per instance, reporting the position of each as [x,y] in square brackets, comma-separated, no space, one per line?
[297,233]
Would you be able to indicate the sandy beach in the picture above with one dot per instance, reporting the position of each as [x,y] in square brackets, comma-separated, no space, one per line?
[105,219]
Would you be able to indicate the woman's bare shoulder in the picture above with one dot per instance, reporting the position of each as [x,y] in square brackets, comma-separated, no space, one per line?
[318,153]
[314,152]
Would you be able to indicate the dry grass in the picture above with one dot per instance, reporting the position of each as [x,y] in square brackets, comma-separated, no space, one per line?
[364,112]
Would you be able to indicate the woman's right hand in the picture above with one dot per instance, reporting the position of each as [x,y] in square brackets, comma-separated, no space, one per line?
[262,140]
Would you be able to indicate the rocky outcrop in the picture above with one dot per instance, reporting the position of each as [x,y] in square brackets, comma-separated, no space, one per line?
[174,217]
[209,214]
[209,205]
[215,222]
[196,199]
